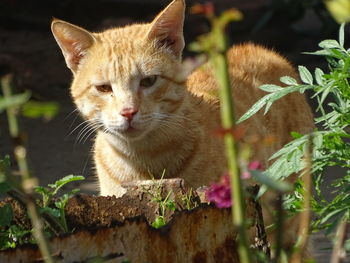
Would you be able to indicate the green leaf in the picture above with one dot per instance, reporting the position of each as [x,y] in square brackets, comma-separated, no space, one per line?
[14,100]
[329,43]
[288,80]
[279,186]
[42,190]
[170,205]
[341,35]
[293,145]
[305,75]
[319,76]
[325,93]
[6,215]
[159,222]
[65,180]
[270,88]
[35,109]
[296,135]
[318,53]
[255,108]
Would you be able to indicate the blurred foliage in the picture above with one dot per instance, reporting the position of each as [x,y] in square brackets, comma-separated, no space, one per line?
[330,144]
[36,109]
[339,9]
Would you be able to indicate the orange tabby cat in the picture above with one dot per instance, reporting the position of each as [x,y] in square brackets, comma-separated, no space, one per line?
[148,123]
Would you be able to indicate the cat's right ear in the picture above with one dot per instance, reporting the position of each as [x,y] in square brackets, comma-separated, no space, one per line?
[74,42]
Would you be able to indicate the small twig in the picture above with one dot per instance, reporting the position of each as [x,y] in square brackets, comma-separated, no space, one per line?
[279,229]
[338,254]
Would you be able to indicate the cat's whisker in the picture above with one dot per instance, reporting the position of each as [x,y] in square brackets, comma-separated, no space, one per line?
[92,132]
[88,132]
[83,123]
[86,129]
[71,113]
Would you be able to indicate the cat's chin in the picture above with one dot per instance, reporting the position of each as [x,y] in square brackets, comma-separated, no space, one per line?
[130,133]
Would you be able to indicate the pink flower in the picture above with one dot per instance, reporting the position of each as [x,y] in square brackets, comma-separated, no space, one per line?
[255,165]
[220,193]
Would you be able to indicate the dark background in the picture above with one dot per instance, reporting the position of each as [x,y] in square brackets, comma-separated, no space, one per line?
[29,51]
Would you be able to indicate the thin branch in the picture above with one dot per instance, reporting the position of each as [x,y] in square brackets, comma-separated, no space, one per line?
[338,254]
[279,229]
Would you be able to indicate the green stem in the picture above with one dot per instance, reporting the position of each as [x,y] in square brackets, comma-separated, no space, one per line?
[27,181]
[63,218]
[6,84]
[219,60]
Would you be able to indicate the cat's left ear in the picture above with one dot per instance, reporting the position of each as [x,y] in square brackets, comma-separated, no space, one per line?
[167,27]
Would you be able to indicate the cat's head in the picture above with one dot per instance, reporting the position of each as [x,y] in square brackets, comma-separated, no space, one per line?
[123,77]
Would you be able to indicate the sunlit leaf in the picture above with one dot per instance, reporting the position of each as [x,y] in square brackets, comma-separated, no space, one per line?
[35,109]
[319,76]
[305,75]
[329,44]
[255,108]
[288,80]
[279,186]
[270,88]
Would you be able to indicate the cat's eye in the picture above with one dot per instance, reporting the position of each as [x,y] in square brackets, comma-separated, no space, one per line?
[148,81]
[104,88]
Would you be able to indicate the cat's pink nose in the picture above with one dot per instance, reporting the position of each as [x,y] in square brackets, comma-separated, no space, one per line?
[128,113]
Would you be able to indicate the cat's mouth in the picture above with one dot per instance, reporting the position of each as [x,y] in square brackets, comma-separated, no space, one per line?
[128,130]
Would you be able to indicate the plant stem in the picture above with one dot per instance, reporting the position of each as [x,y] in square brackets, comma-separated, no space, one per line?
[64,221]
[338,254]
[27,181]
[220,63]
[6,84]
[279,229]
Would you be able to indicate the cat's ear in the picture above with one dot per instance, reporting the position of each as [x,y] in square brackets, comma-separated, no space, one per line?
[73,41]
[167,27]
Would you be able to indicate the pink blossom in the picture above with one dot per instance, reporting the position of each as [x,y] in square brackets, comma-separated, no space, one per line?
[255,165]
[220,193]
